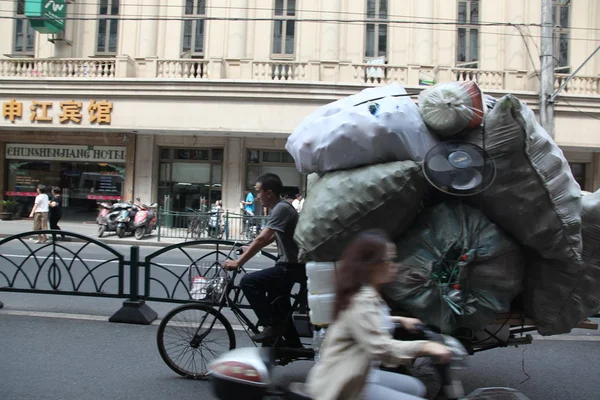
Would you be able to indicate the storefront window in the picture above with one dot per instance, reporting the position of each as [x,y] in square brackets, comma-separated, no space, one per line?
[190,179]
[277,162]
[84,178]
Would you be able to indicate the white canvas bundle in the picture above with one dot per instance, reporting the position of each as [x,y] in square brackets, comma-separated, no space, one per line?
[375,126]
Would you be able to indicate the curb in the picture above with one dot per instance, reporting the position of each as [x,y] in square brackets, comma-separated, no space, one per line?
[145,243]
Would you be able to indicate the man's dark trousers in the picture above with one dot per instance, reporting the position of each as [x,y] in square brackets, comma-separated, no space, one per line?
[262,288]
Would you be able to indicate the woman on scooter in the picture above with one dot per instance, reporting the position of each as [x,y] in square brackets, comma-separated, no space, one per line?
[360,340]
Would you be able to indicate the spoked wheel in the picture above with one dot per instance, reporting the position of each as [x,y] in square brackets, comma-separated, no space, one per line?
[191,336]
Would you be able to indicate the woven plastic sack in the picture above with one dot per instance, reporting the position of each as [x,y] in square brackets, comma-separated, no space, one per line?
[454,244]
[450,108]
[377,125]
[341,204]
[559,295]
[534,196]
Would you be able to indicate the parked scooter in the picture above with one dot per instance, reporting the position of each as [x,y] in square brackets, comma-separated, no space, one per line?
[145,219]
[107,216]
[247,373]
[125,219]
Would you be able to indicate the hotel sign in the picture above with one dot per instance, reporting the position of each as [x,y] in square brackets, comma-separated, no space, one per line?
[71,112]
[43,152]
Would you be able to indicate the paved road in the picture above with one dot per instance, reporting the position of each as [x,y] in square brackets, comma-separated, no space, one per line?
[56,358]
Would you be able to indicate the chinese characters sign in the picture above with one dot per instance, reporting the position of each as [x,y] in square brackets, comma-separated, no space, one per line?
[67,112]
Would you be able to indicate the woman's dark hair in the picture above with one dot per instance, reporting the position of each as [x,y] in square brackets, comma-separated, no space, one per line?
[42,188]
[360,260]
[56,190]
[270,182]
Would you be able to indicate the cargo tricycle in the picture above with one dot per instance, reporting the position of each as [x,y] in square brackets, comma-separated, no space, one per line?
[193,336]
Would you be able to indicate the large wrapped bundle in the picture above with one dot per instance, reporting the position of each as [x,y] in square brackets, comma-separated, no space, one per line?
[377,125]
[343,203]
[588,292]
[534,196]
[559,295]
[457,269]
[452,107]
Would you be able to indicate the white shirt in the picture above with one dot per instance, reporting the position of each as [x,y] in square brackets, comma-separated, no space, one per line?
[42,202]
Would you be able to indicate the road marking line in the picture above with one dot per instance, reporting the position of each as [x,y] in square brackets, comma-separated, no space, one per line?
[113,261]
[83,317]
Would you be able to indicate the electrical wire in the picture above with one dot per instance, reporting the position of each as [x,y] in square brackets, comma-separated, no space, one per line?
[302,10]
[579,110]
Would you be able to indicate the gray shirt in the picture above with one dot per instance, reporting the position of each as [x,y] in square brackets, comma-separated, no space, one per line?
[283,221]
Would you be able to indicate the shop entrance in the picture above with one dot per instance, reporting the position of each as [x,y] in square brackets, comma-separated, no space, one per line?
[85,175]
[189,179]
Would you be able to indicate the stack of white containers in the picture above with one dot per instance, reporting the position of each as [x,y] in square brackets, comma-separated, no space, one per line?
[321,292]
[321,299]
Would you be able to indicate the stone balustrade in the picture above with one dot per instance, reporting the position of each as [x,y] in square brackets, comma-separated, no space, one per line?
[589,85]
[58,68]
[284,70]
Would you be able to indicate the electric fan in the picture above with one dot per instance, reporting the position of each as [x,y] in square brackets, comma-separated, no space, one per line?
[459,168]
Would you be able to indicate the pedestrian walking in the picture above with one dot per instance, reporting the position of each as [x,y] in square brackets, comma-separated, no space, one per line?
[55,209]
[39,213]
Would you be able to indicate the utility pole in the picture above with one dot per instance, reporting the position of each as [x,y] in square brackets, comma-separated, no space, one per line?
[547,69]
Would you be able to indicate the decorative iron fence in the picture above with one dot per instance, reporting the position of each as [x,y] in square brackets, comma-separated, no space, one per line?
[198,225]
[82,266]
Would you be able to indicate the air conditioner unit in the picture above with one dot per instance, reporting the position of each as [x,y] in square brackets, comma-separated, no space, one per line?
[59,37]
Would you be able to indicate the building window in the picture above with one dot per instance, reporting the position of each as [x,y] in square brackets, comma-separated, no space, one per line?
[376,33]
[193,29]
[278,162]
[467,44]
[284,28]
[108,27]
[578,171]
[561,10]
[24,34]
[189,178]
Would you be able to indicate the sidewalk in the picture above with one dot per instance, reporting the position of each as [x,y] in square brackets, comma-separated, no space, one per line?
[9,228]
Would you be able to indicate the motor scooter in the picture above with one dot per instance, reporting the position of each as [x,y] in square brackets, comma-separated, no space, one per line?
[107,217]
[247,373]
[125,219]
[145,220]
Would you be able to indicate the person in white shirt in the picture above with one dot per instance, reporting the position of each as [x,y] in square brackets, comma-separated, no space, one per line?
[39,213]
[298,202]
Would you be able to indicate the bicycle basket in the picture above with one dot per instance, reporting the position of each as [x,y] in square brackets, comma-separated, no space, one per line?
[206,282]
[496,394]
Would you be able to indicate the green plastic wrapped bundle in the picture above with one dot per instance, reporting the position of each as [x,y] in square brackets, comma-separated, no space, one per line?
[340,204]
[458,269]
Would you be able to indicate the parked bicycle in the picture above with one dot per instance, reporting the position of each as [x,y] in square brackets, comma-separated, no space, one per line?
[205,225]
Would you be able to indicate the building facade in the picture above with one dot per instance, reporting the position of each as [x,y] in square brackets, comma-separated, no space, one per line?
[185,102]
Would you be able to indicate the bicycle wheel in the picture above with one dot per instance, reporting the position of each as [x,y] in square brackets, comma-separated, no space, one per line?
[190,336]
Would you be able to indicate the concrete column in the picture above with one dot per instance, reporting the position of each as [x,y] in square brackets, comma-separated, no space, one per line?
[128,33]
[330,32]
[145,182]
[422,38]
[148,37]
[236,47]
[233,173]
[515,52]
[170,33]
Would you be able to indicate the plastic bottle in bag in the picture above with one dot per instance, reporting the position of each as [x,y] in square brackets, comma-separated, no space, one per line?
[318,338]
